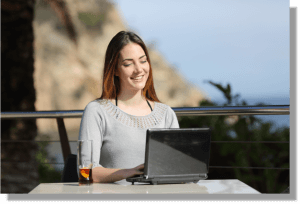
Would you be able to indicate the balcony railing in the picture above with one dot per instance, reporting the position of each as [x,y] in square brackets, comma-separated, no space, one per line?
[180,111]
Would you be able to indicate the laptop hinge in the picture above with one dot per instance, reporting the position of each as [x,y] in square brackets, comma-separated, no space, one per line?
[178,175]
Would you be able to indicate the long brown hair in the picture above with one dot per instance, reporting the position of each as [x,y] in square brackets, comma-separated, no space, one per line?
[111,83]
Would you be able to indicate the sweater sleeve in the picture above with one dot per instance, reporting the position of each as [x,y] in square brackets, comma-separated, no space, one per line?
[171,119]
[91,129]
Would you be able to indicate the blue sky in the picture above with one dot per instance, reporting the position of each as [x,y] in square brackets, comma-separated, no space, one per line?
[241,42]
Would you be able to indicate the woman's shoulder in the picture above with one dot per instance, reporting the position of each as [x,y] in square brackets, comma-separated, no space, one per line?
[160,104]
[163,106]
[96,104]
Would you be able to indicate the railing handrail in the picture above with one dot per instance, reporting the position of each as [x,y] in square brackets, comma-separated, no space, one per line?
[180,111]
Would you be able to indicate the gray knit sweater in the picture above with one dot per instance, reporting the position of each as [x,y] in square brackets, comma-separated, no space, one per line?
[119,138]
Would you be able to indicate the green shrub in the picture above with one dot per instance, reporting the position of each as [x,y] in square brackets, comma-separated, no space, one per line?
[234,153]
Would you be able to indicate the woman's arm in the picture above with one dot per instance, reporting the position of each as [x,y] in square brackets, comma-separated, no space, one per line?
[107,175]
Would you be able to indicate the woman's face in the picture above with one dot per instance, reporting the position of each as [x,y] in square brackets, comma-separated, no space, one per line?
[133,67]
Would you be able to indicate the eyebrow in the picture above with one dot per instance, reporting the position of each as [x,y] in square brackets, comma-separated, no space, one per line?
[132,59]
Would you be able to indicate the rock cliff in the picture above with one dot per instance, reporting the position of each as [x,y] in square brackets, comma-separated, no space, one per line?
[68,76]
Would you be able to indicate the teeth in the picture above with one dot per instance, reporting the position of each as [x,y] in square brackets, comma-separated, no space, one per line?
[138,77]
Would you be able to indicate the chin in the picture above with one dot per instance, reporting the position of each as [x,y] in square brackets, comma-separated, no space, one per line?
[139,87]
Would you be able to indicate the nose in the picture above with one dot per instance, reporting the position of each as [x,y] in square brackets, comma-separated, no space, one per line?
[138,68]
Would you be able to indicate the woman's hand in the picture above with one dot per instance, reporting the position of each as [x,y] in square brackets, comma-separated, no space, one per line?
[107,175]
[138,170]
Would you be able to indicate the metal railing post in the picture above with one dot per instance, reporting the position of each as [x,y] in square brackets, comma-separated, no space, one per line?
[64,141]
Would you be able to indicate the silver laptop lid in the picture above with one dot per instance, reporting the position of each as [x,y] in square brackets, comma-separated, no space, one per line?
[177,152]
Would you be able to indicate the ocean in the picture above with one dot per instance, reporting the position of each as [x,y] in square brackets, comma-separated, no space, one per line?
[278,120]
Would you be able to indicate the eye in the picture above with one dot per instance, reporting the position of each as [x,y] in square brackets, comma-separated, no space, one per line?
[126,65]
[143,61]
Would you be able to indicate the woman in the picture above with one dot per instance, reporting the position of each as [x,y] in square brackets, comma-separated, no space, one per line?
[118,120]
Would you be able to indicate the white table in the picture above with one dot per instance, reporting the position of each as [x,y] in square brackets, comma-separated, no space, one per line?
[231,186]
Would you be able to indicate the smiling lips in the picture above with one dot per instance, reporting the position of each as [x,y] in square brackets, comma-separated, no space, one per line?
[137,78]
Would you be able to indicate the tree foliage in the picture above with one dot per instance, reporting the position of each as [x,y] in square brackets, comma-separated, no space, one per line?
[47,173]
[248,142]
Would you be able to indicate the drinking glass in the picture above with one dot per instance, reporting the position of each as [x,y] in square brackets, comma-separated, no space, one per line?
[85,161]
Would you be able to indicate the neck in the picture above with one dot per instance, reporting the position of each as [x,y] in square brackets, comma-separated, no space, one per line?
[131,98]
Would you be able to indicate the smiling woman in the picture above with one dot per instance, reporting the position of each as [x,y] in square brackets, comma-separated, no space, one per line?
[117,122]
[132,73]
[128,74]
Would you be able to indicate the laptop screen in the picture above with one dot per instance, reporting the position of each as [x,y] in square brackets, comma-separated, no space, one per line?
[177,151]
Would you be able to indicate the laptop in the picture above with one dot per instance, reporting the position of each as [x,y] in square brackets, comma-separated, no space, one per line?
[177,155]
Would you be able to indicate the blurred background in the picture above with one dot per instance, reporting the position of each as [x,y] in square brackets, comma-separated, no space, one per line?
[53,55]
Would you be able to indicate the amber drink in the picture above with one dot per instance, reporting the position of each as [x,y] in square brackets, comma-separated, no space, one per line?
[85,176]
[85,162]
